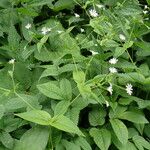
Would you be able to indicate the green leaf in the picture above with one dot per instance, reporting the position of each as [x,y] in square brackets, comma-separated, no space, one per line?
[21,102]
[83,143]
[42,42]
[79,76]
[63,4]
[134,117]
[61,107]
[50,71]
[70,145]
[120,130]
[37,116]
[96,118]
[119,51]
[2,111]
[66,89]
[13,38]
[7,140]
[34,139]
[101,137]
[143,48]
[65,124]
[141,142]
[35,3]
[50,90]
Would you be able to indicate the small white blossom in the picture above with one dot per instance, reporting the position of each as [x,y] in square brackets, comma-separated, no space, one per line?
[45,30]
[129,89]
[145,12]
[113,70]
[110,89]
[93,13]
[145,7]
[122,37]
[82,30]
[12,61]
[96,45]
[107,103]
[59,31]
[93,52]
[76,15]
[100,6]
[28,26]
[113,60]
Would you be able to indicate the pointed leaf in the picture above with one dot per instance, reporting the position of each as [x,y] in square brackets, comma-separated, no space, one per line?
[120,130]
[37,116]
[101,137]
[65,124]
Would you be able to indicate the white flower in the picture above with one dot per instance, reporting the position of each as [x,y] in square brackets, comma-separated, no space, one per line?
[145,12]
[93,52]
[59,31]
[110,89]
[129,89]
[113,61]
[122,37]
[82,30]
[93,13]
[12,61]
[107,103]
[96,45]
[45,30]
[113,70]
[76,15]
[145,7]
[100,6]
[28,26]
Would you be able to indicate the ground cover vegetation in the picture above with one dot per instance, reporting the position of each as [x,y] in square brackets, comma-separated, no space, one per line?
[74,75]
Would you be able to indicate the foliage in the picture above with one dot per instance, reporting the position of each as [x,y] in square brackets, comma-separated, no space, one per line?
[74,75]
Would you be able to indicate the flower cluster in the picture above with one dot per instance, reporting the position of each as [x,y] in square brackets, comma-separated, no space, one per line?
[45,30]
[113,61]
[93,13]
[129,88]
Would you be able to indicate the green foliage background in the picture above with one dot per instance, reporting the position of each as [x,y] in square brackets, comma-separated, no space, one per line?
[54,96]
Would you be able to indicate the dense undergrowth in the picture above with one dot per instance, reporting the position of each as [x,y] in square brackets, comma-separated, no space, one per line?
[74,75]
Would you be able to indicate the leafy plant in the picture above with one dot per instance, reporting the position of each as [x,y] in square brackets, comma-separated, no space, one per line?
[74,75]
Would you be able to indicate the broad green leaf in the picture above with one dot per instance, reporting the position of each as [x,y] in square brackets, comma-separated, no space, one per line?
[50,71]
[143,48]
[34,139]
[27,11]
[50,90]
[101,137]
[7,140]
[61,107]
[63,4]
[134,117]
[20,102]
[141,142]
[65,124]
[2,111]
[85,90]
[120,130]
[66,89]
[119,51]
[69,145]
[83,143]
[37,116]
[13,38]
[96,118]
[79,76]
